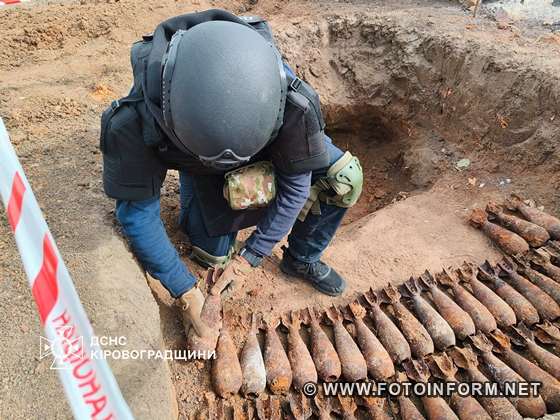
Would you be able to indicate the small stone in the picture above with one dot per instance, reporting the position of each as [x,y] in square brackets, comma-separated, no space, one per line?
[463,164]
[379,194]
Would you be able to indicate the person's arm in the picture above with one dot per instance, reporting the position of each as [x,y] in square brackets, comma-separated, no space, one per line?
[292,193]
[144,229]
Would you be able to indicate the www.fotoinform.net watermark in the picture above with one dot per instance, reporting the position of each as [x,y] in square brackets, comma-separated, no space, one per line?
[420,389]
[68,349]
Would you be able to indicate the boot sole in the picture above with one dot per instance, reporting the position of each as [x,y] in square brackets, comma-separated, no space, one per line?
[315,285]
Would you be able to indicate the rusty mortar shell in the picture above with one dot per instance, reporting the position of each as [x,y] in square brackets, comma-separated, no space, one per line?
[278,370]
[418,338]
[546,306]
[323,352]
[524,310]
[483,319]
[550,388]
[379,363]
[502,373]
[459,320]
[354,367]
[388,333]
[227,377]
[500,310]
[536,216]
[511,243]
[535,235]
[441,332]
[303,368]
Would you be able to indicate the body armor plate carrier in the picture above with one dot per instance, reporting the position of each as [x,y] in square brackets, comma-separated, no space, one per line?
[138,150]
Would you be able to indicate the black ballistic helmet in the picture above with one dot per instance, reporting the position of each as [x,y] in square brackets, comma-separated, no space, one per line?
[223,92]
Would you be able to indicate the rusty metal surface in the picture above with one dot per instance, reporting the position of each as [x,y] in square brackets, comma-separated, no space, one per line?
[241,410]
[459,320]
[323,407]
[303,368]
[510,242]
[278,370]
[418,338]
[548,334]
[269,408]
[545,283]
[387,332]
[543,303]
[502,373]
[376,407]
[226,370]
[550,389]
[347,407]
[481,316]
[407,410]
[354,367]
[500,310]
[534,234]
[542,258]
[323,353]
[211,315]
[379,363]
[499,408]
[300,406]
[539,217]
[441,332]
[435,407]
[467,407]
[523,308]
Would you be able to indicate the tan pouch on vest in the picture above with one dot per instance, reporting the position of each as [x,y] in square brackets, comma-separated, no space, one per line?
[250,187]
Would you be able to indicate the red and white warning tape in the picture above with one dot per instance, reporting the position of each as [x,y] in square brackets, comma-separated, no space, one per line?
[90,386]
[8,2]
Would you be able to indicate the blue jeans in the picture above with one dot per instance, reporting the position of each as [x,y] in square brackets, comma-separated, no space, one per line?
[307,240]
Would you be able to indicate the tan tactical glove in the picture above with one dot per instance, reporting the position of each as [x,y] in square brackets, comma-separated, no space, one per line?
[191,305]
[234,273]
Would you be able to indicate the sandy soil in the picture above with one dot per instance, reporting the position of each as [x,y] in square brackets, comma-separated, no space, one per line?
[411,87]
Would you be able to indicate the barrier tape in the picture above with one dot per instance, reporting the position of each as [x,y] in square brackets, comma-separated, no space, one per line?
[8,2]
[88,382]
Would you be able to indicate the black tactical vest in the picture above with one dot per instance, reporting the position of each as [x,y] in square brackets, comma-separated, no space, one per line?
[138,151]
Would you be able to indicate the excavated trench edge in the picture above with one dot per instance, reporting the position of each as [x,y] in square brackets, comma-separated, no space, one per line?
[430,91]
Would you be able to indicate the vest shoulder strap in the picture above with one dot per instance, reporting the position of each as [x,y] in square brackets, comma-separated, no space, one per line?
[295,84]
[138,54]
[261,26]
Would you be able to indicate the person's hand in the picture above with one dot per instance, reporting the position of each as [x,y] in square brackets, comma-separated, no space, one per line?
[234,273]
[191,303]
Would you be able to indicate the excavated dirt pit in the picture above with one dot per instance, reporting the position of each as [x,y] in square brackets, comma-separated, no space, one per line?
[411,103]
[381,153]
[412,88]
